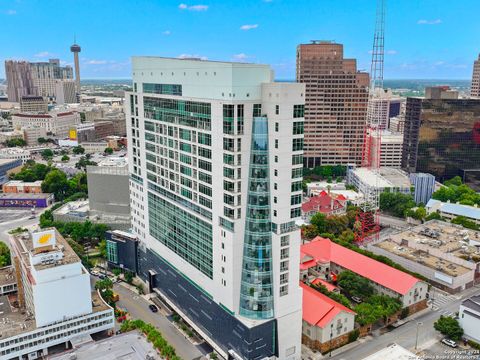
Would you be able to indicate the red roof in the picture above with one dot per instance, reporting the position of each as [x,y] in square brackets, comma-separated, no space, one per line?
[321,203]
[387,276]
[330,287]
[319,309]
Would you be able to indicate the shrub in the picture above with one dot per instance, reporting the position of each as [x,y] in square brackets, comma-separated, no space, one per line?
[353,335]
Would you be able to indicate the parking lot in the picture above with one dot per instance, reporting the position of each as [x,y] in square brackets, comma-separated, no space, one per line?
[7,215]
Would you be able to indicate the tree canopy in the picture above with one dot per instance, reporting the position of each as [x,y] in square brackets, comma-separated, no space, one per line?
[108,151]
[15,142]
[454,191]
[449,327]
[32,171]
[395,203]
[5,258]
[355,285]
[77,150]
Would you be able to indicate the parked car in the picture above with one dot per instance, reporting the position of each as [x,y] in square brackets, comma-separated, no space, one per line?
[356,299]
[449,342]
[101,276]
[153,308]
[94,272]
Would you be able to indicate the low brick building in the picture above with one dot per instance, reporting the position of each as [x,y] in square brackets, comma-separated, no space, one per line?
[18,186]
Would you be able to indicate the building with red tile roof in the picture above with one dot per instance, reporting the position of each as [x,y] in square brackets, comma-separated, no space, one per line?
[328,258]
[329,286]
[324,319]
[326,203]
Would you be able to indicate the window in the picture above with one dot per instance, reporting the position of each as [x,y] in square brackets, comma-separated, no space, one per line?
[229,173]
[204,139]
[229,159]
[203,152]
[240,116]
[275,186]
[277,109]
[204,177]
[283,278]
[298,111]
[276,143]
[276,158]
[230,213]
[228,112]
[228,199]
[284,253]
[185,147]
[185,159]
[228,144]
[185,134]
[205,189]
[285,240]
[257,110]
[298,128]
[296,186]
[295,212]
[297,173]
[296,199]
[276,127]
[275,172]
[275,213]
[297,159]
[297,145]
[228,186]
[186,170]
[202,164]
[166,89]
[284,265]
[274,199]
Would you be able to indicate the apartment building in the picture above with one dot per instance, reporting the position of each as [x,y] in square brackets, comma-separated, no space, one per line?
[216,155]
[336,99]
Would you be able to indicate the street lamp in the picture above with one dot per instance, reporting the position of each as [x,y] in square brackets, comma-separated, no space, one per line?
[419,323]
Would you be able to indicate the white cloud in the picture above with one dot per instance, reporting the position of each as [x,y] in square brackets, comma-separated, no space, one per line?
[190,56]
[193,7]
[166,32]
[11,12]
[392,52]
[240,56]
[248,27]
[97,62]
[43,54]
[429,22]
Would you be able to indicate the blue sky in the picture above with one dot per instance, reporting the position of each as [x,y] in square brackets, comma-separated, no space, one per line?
[428,39]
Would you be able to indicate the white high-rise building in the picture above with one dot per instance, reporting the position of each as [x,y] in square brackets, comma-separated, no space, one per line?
[66,91]
[215,153]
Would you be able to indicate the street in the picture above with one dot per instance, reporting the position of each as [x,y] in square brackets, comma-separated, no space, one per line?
[405,335]
[137,306]
[13,218]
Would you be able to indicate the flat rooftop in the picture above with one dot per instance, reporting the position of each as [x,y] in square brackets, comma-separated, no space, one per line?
[391,352]
[24,247]
[73,206]
[7,275]
[22,183]
[423,258]
[25,196]
[389,177]
[128,346]
[445,237]
[15,321]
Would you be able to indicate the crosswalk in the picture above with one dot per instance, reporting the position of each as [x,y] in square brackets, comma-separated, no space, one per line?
[441,300]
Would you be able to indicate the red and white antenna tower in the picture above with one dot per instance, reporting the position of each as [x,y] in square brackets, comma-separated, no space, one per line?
[368,224]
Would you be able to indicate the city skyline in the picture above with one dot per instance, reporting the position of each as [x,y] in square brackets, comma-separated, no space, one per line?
[423,43]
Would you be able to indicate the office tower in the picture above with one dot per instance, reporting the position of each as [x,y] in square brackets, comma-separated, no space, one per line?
[66,92]
[475,90]
[424,185]
[45,75]
[336,98]
[20,80]
[216,152]
[391,148]
[75,49]
[442,137]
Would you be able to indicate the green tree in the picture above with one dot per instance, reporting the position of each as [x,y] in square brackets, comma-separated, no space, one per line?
[449,327]
[42,140]
[395,203]
[466,223]
[129,277]
[108,151]
[47,154]
[56,183]
[320,221]
[355,285]
[456,181]
[102,247]
[5,258]
[84,162]
[65,158]
[17,142]
[116,272]
[77,150]
[310,231]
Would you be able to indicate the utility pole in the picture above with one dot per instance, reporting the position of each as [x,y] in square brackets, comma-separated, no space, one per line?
[419,323]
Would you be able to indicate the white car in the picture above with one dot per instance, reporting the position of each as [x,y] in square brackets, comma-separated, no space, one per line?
[449,342]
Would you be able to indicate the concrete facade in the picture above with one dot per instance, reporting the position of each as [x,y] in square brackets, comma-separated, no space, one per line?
[192,153]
